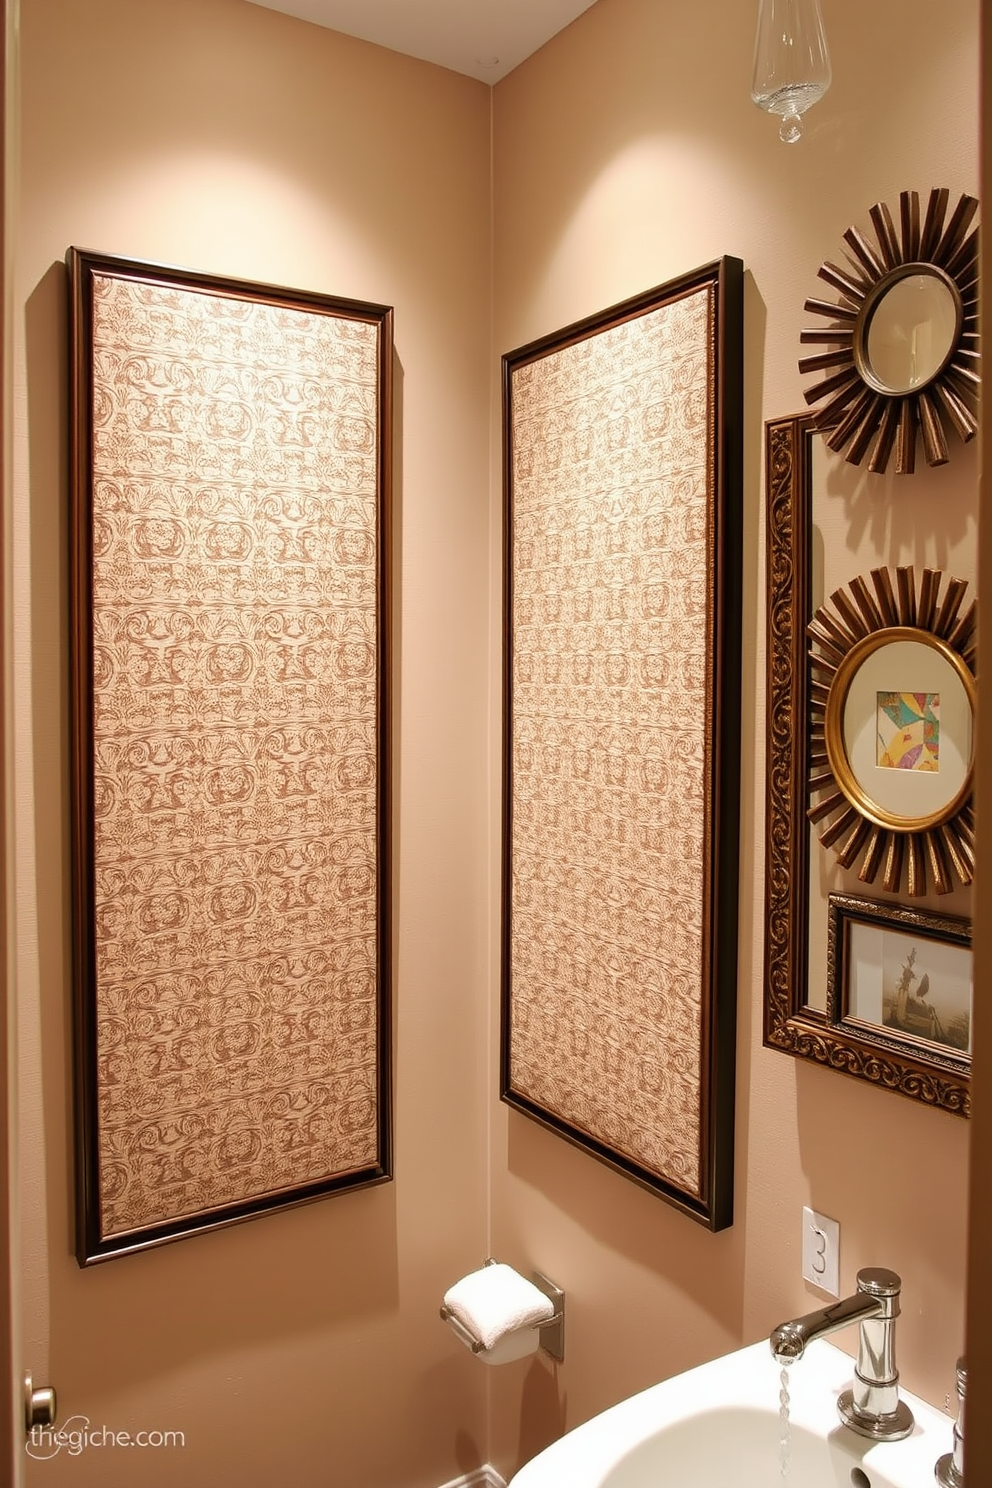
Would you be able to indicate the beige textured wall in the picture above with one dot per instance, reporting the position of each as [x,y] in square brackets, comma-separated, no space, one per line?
[627,151]
[304,1347]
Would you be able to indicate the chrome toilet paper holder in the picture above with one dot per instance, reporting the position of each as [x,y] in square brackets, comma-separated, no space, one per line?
[551,1333]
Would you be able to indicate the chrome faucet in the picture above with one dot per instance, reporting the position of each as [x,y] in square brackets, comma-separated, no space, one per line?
[872,1406]
[949,1471]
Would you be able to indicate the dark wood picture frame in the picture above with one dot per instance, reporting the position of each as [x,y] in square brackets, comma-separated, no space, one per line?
[604,1051]
[791,1024]
[230,835]
[931,1034]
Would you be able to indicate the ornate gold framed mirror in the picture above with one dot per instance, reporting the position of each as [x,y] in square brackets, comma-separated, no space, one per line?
[827,946]
[904,333]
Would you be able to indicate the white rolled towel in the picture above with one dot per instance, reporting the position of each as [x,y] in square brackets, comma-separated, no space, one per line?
[496,1301]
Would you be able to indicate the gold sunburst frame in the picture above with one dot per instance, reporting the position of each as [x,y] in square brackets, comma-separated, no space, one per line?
[859,414]
[936,845]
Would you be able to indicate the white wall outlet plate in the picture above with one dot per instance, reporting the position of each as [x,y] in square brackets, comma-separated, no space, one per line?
[821,1252]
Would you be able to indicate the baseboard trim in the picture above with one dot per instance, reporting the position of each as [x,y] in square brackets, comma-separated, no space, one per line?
[483,1477]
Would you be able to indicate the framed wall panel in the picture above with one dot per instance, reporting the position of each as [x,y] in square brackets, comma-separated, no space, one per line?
[229,751]
[622,448]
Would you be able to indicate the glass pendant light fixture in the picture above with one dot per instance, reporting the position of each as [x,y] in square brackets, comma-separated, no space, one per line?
[791,62]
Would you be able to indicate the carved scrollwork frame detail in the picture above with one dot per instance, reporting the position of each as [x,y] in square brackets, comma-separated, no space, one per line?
[790,1024]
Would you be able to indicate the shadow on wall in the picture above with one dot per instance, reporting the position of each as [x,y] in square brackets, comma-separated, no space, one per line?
[624,1219]
[543,1410]
[901,514]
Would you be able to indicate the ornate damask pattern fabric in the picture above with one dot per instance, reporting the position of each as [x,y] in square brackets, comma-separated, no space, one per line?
[235,766]
[612,479]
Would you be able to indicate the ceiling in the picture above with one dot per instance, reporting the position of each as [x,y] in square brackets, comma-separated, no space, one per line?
[483,38]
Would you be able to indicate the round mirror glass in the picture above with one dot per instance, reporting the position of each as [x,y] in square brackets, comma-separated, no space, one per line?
[912,332]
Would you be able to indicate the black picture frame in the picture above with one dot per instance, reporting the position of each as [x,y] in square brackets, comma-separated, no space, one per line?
[599,1069]
[880,954]
[230,507]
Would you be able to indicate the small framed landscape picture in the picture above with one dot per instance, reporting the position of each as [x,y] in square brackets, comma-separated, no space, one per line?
[901,981]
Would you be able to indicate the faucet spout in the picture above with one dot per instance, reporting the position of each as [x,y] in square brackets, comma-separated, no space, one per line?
[789,1340]
[872,1407]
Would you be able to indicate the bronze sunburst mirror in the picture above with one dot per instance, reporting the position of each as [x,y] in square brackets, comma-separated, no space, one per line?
[904,333]
[892,723]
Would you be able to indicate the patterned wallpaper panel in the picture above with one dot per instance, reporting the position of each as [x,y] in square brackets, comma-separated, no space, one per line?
[235,592]
[610,757]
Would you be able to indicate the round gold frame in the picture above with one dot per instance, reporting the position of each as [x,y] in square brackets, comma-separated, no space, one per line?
[859,413]
[937,847]
[835,713]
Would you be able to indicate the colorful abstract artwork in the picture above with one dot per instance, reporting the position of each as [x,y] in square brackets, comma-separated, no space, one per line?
[229,716]
[909,731]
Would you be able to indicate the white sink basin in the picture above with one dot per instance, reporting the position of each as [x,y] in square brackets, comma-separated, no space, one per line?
[718,1427]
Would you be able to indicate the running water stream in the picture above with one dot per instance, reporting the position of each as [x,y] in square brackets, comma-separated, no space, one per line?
[784,1430]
